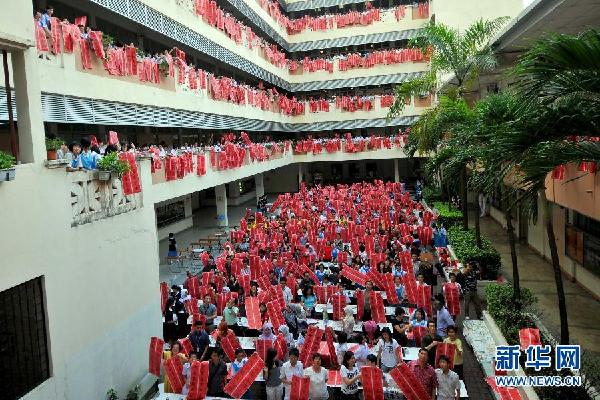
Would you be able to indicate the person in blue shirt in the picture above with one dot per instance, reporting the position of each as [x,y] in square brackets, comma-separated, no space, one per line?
[320,273]
[364,269]
[444,319]
[89,158]
[309,300]
[45,20]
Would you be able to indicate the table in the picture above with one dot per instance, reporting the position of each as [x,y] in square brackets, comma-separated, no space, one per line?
[350,293]
[388,310]
[393,388]
[247,343]
[337,325]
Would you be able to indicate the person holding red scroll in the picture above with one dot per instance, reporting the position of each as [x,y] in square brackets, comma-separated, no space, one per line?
[318,379]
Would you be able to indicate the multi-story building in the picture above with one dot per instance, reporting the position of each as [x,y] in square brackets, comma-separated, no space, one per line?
[80,266]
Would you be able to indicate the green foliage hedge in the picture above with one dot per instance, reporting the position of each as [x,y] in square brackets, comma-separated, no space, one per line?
[448,217]
[465,247]
[510,319]
[432,194]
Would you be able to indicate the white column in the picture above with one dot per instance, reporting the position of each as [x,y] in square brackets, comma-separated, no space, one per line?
[300,174]
[32,147]
[221,200]
[259,185]
[234,189]
[396,171]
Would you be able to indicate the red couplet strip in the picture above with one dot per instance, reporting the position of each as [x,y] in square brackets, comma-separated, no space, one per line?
[198,380]
[240,383]
[331,348]
[447,349]
[300,388]
[253,313]
[230,344]
[174,371]
[155,355]
[408,383]
[312,341]
[372,381]
[529,337]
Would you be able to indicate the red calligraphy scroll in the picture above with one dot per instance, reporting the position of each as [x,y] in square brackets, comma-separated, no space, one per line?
[198,380]
[339,302]
[230,344]
[312,341]
[424,298]
[275,314]
[377,308]
[447,349]
[253,313]
[354,275]
[186,346]
[331,347]
[239,384]
[174,371]
[164,296]
[390,289]
[281,346]
[262,346]
[155,355]
[529,337]
[452,296]
[409,384]
[372,381]
[300,388]
[506,393]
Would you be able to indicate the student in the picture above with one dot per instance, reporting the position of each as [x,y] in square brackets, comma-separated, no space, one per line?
[444,319]
[350,376]
[448,382]
[419,319]
[272,375]
[342,348]
[399,327]
[389,354]
[217,372]
[187,367]
[239,361]
[318,379]
[430,341]
[292,367]
[209,310]
[172,246]
[309,300]
[348,322]
[458,354]
[424,372]
[267,332]
[231,314]
[199,339]
[371,360]
[89,158]
[75,164]
[174,352]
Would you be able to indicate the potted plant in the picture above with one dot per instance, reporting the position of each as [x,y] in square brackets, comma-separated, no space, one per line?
[111,166]
[52,145]
[7,162]
[111,394]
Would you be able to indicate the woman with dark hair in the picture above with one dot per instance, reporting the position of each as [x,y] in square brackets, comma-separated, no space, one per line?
[318,379]
[390,352]
[309,300]
[272,375]
[350,376]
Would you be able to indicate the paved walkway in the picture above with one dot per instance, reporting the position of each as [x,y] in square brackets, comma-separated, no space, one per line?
[536,274]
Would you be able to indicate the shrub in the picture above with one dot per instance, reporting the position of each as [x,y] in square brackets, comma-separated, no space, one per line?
[6,160]
[448,217]
[510,319]
[432,194]
[465,247]
[111,162]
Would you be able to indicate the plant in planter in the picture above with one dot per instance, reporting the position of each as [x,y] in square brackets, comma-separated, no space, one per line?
[133,394]
[110,166]
[7,162]
[52,145]
[111,394]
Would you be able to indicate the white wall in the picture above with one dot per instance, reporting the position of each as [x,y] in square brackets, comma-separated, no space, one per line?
[101,283]
[461,13]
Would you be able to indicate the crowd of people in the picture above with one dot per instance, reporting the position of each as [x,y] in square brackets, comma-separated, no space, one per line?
[344,247]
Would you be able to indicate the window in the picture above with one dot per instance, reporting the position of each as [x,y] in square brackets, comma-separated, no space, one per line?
[583,242]
[24,360]
[170,213]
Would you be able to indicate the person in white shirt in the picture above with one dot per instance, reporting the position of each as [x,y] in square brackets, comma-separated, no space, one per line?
[288,297]
[291,368]
[389,348]
[448,382]
[342,348]
[318,379]
[350,377]
[187,367]
[362,352]
[239,362]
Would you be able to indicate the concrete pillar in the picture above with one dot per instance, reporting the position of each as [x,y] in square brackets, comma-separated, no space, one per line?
[234,189]
[396,171]
[32,146]
[300,174]
[221,201]
[259,185]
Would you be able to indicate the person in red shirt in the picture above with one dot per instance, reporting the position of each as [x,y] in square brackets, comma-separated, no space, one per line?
[425,372]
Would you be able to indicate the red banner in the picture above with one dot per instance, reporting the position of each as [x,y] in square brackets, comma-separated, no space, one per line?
[239,384]
[155,355]
[377,308]
[275,314]
[424,298]
[312,342]
[354,275]
[164,295]
[174,371]
[230,344]
[447,349]
[339,302]
[300,388]
[411,387]
[198,380]
[262,346]
[372,382]
[253,313]
[390,289]
[331,348]
[452,296]
[529,337]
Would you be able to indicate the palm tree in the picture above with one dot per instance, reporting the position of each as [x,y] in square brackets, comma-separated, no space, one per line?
[465,55]
[558,94]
